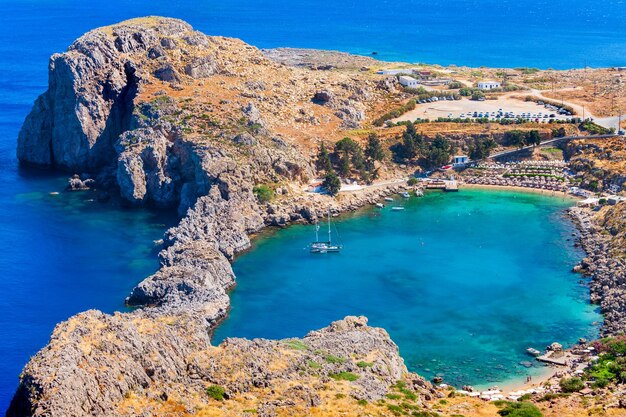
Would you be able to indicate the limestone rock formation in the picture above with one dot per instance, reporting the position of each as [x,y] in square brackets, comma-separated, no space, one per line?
[103,365]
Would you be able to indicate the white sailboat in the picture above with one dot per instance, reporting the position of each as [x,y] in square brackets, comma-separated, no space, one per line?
[324,247]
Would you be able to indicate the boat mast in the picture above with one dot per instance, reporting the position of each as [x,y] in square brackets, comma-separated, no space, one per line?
[329,240]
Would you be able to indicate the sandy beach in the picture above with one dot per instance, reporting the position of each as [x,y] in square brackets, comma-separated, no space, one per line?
[521,190]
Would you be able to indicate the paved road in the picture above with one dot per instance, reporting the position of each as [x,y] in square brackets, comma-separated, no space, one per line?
[547,142]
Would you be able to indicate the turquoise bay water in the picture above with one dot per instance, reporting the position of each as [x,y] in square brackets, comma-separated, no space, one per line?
[61,255]
[463,283]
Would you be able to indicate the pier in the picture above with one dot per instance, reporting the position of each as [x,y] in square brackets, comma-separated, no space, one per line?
[548,358]
[446,185]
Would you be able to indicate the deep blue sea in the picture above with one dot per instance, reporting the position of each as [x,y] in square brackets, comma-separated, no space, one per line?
[63,254]
[463,283]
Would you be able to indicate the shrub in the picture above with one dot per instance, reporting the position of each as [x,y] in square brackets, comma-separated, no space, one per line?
[216,392]
[340,396]
[314,365]
[410,105]
[344,376]
[394,396]
[571,384]
[520,409]
[263,193]
[412,181]
[334,359]
[296,344]
[363,364]
[362,402]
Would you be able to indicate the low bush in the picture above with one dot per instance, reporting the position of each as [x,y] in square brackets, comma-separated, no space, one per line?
[216,392]
[519,409]
[571,384]
[344,376]
[334,359]
[263,193]
[410,105]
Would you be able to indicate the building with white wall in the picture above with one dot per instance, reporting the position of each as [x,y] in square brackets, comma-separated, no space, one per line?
[408,81]
[488,85]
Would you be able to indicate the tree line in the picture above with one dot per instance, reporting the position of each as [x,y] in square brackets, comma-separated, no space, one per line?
[348,157]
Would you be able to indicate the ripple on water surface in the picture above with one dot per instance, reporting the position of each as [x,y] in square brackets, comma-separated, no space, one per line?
[463,282]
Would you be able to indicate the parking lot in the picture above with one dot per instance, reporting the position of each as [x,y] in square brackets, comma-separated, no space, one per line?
[493,109]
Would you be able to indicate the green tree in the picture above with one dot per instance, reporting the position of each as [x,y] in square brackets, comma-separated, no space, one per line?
[571,384]
[374,150]
[477,95]
[350,155]
[344,166]
[532,138]
[515,138]
[331,183]
[481,148]
[323,162]
[438,152]
[411,142]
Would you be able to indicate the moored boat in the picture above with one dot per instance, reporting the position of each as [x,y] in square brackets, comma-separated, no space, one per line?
[533,352]
[405,194]
[324,247]
[388,199]
[397,208]
[380,205]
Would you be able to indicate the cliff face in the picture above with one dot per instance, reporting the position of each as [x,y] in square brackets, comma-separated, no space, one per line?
[131,365]
[165,113]
[174,118]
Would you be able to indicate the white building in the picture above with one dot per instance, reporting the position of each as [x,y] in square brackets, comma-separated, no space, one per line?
[460,160]
[408,81]
[488,85]
[396,71]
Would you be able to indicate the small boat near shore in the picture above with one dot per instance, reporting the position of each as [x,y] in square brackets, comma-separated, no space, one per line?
[533,352]
[397,208]
[419,192]
[380,205]
[405,195]
[388,199]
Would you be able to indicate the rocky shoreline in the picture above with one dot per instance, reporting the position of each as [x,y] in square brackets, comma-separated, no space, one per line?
[607,273]
[133,106]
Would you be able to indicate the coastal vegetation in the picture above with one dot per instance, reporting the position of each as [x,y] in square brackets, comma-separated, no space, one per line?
[520,138]
[264,193]
[611,364]
[410,105]
[415,148]
[594,128]
[481,148]
[332,183]
[348,156]
[518,409]
[216,392]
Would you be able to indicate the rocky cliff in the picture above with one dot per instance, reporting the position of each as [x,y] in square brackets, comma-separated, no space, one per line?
[170,117]
[133,365]
[165,113]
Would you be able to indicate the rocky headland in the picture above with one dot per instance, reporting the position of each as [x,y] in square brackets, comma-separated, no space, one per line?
[165,116]
[158,114]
